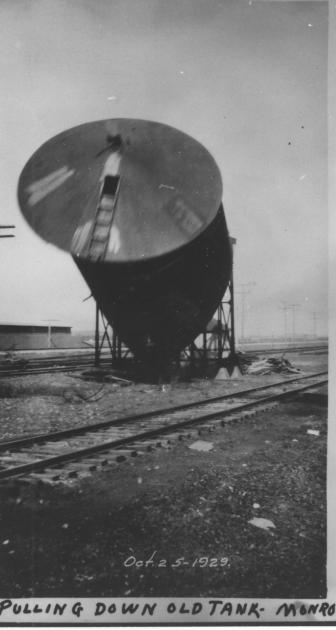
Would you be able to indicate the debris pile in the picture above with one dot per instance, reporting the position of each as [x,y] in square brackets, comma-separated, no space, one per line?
[104,376]
[252,364]
[12,360]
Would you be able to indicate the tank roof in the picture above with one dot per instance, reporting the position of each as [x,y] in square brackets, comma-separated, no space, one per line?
[155,186]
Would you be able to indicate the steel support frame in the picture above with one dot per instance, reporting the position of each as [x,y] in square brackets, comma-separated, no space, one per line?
[108,335]
[217,346]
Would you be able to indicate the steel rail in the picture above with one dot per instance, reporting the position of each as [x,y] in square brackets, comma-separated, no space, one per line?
[80,453]
[74,353]
[56,435]
[46,364]
[246,350]
[73,363]
[47,370]
[30,371]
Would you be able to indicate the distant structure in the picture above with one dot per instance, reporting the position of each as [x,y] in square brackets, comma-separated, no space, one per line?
[35,337]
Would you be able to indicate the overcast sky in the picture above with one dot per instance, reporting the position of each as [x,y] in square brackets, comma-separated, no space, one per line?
[247,79]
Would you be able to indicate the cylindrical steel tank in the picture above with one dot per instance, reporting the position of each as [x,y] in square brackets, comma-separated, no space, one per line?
[138,205]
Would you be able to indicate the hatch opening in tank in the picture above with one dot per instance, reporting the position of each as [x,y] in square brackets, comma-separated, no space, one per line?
[110,185]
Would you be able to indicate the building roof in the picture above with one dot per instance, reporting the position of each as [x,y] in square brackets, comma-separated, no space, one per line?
[37,327]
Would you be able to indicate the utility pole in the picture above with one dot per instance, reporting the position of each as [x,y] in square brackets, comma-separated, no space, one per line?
[285,311]
[49,331]
[315,317]
[246,289]
[293,307]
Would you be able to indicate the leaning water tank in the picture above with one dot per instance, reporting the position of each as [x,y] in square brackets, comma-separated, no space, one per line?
[138,206]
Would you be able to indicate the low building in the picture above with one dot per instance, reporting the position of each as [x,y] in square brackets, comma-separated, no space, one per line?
[35,337]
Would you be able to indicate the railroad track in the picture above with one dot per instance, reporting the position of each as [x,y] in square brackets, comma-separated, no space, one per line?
[72,452]
[45,365]
[288,349]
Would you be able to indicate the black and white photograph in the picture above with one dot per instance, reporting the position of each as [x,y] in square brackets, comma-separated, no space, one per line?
[164,312]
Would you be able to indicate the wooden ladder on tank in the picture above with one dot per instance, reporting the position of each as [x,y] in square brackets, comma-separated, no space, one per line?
[104,217]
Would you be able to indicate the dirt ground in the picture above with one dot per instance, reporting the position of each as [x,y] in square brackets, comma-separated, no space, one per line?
[185,511]
[49,402]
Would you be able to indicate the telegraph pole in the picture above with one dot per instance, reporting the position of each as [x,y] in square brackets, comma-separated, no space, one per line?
[293,307]
[285,311]
[315,317]
[246,289]
[49,340]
